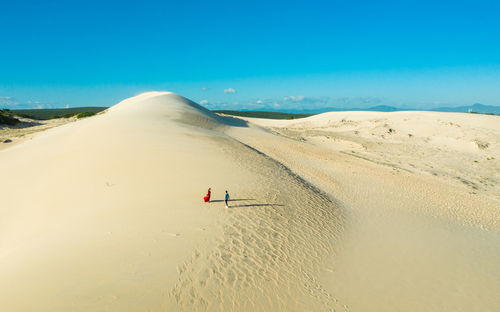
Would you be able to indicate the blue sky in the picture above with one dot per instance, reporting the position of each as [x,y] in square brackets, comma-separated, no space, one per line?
[356,53]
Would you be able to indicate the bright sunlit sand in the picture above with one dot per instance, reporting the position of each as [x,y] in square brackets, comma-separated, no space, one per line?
[351,211]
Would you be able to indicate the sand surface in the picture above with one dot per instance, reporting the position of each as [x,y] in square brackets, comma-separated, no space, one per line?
[106,214]
[27,129]
[421,216]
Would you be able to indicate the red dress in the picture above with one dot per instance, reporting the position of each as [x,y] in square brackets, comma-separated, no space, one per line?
[207,197]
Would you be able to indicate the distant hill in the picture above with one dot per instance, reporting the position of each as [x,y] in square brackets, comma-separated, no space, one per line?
[379,108]
[383,108]
[476,108]
[43,114]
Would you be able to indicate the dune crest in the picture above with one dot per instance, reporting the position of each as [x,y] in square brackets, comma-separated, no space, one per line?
[159,106]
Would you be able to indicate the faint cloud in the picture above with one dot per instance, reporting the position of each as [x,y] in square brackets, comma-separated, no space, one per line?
[204,89]
[229,90]
[300,103]
[294,98]
[13,103]
[202,102]
[8,101]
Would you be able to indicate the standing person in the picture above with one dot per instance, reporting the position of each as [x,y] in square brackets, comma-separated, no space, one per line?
[207,197]
[226,199]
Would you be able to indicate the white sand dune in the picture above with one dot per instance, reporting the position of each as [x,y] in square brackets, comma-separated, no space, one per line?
[330,213]
[459,149]
[106,214]
[421,211]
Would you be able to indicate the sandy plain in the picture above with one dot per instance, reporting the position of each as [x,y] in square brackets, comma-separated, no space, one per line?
[336,212]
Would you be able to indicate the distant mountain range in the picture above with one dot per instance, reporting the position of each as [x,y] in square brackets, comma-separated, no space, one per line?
[475,108]
[7,102]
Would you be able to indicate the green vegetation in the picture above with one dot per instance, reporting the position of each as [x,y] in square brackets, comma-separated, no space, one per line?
[23,115]
[85,114]
[493,114]
[260,114]
[7,118]
[77,115]
[44,114]
[69,115]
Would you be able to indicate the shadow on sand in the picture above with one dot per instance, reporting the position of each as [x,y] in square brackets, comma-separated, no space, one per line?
[231,200]
[233,121]
[255,205]
[246,205]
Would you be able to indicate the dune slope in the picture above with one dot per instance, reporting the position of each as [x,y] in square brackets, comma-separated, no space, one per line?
[421,211]
[106,214]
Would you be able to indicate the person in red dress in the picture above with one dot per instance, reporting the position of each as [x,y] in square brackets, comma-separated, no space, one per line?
[207,197]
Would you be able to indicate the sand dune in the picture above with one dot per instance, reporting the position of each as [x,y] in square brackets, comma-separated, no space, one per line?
[421,232]
[107,214]
[458,149]
[337,212]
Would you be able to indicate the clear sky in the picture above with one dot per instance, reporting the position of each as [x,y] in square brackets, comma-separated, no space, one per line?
[251,54]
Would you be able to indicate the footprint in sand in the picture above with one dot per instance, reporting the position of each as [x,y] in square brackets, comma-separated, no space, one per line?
[173,234]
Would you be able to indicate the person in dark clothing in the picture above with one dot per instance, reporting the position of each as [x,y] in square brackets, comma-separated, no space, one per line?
[226,199]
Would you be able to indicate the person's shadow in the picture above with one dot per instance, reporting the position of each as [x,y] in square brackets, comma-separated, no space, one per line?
[256,205]
[231,200]
[245,205]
